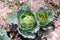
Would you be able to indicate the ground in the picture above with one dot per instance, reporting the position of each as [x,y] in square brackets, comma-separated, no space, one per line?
[7,6]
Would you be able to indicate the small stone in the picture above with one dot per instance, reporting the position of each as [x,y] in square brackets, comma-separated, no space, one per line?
[11,7]
[11,0]
[5,15]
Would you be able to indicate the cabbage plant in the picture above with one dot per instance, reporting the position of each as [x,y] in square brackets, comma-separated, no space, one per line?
[3,34]
[45,17]
[28,23]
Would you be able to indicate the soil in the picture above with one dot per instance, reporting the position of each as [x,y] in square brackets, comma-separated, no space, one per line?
[33,4]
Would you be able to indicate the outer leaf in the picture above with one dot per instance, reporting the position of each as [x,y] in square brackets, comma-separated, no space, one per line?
[48,26]
[4,38]
[12,18]
[32,30]
[3,34]
[26,34]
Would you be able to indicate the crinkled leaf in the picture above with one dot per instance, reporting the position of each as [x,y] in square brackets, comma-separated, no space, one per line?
[32,30]
[3,34]
[26,34]
[51,14]
[4,38]
[12,18]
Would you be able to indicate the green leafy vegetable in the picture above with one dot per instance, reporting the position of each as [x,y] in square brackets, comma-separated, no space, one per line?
[12,18]
[3,34]
[25,19]
[27,22]
[44,17]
